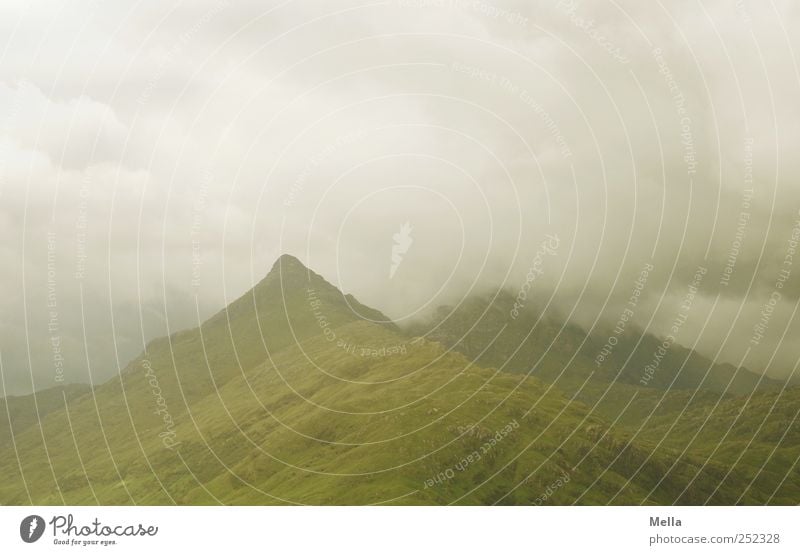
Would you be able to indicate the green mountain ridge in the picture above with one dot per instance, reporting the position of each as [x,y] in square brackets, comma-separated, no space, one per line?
[293,394]
[482,328]
[693,406]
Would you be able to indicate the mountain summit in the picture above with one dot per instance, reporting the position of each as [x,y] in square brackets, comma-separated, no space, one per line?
[289,268]
[290,304]
[293,394]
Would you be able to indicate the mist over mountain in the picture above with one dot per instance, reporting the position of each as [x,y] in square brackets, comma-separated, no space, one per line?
[415,153]
[297,393]
[490,329]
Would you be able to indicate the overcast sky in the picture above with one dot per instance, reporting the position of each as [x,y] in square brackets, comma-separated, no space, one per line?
[156,157]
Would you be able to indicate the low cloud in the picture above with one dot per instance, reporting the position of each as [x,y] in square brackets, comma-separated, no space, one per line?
[174,154]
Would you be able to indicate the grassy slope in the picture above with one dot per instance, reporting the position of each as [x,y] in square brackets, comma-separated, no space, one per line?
[254,442]
[18,413]
[482,328]
[304,417]
[694,410]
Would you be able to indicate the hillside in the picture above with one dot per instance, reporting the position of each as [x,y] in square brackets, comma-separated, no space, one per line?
[711,413]
[482,328]
[294,394]
[18,413]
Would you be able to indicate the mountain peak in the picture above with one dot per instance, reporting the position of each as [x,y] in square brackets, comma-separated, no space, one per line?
[289,274]
[287,262]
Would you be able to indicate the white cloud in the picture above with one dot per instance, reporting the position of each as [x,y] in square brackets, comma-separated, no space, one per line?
[159,123]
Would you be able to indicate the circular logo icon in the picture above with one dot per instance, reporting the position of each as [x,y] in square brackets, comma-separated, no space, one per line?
[31,528]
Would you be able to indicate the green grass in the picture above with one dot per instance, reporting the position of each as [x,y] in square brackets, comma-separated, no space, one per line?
[271,407]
